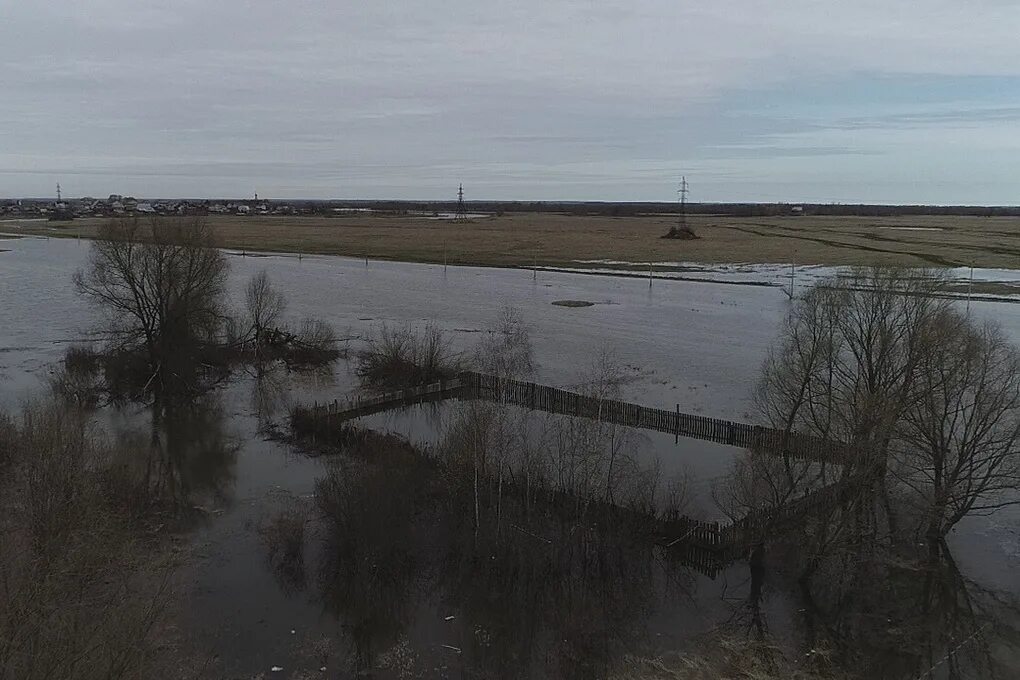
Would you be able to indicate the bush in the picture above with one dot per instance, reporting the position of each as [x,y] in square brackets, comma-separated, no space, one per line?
[406,357]
[82,591]
[79,382]
[283,535]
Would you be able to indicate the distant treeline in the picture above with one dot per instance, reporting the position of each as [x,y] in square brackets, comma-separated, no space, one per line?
[728,209]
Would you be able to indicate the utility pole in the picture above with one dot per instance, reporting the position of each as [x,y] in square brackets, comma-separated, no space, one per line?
[793,271]
[970,286]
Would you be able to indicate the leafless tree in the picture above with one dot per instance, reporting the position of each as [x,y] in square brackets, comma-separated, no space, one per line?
[264,305]
[958,444]
[260,335]
[506,351]
[845,365]
[160,284]
[881,361]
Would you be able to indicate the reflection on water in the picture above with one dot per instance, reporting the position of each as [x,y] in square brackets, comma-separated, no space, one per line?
[277,389]
[528,593]
[903,615]
[416,584]
[182,453]
[697,465]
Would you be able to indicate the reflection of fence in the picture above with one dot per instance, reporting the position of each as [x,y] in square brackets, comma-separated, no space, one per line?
[471,385]
[706,546]
[710,546]
[338,411]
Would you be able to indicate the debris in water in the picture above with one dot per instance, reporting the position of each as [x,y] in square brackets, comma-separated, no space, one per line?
[276,669]
[451,617]
[451,647]
[573,303]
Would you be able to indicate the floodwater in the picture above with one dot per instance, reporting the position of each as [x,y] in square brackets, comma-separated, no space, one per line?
[698,464]
[782,275]
[696,344]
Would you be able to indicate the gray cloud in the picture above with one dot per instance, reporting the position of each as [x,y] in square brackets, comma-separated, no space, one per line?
[553,99]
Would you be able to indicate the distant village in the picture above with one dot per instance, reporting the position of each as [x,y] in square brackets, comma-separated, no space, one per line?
[118,206]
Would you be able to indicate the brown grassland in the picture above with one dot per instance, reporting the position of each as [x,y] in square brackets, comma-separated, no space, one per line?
[563,240]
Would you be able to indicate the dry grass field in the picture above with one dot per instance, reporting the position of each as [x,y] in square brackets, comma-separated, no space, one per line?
[563,240]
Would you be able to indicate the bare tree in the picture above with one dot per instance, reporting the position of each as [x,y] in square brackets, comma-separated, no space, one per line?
[161,285]
[845,365]
[605,383]
[264,305]
[959,442]
[879,360]
[496,435]
[506,350]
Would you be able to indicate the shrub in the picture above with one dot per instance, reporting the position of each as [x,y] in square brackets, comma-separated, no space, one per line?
[83,591]
[404,357]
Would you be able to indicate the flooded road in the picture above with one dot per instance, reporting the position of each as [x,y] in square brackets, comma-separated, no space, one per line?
[699,345]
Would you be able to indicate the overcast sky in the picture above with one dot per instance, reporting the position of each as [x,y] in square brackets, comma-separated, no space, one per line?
[885,101]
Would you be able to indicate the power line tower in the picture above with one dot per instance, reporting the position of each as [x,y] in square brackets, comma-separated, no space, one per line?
[682,192]
[682,230]
[461,212]
[58,192]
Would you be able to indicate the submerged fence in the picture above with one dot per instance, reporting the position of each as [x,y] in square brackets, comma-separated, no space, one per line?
[338,411]
[707,546]
[470,385]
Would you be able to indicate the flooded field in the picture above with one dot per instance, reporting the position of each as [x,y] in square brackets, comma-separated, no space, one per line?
[417,602]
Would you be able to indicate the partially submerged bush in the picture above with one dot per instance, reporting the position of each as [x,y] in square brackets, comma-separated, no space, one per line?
[80,380]
[283,534]
[406,356]
[259,334]
[314,343]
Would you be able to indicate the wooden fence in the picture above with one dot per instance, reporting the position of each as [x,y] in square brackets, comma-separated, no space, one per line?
[340,410]
[707,546]
[710,546]
[470,385]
